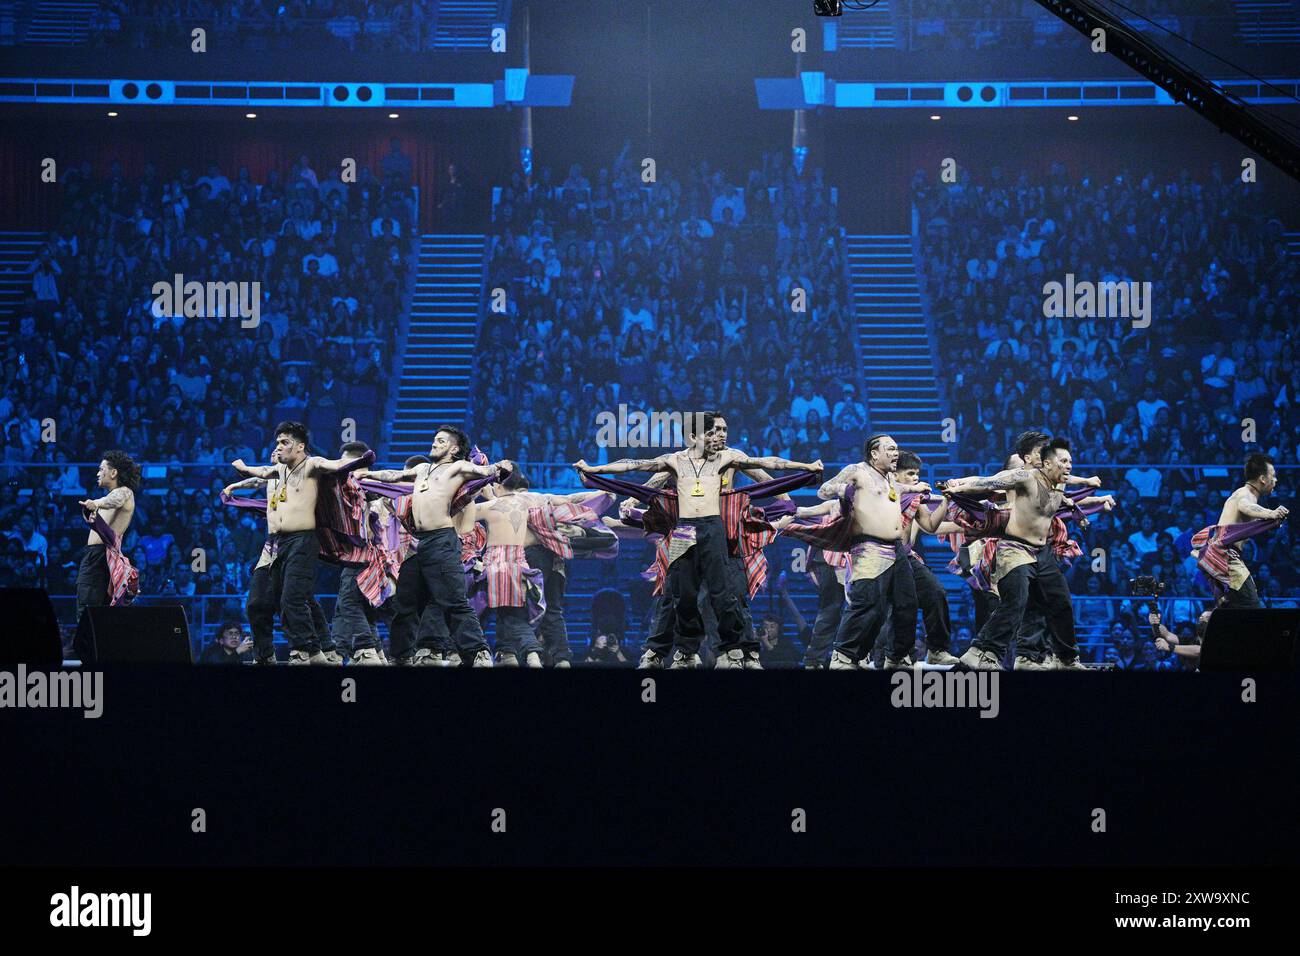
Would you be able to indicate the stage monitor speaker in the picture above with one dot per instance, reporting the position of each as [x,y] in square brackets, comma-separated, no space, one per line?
[134,635]
[1254,639]
[29,631]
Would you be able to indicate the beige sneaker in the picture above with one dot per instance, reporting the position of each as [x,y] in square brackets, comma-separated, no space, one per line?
[1074,665]
[978,660]
[734,659]
[682,662]
[333,657]
[902,664]
[427,658]
[566,664]
[505,659]
[941,657]
[368,656]
[649,661]
[482,659]
[533,659]
[447,658]
[1029,664]
[302,657]
[842,662]
[752,662]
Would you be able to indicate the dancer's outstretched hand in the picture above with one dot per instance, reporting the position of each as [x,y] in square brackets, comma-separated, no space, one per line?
[816,466]
[582,466]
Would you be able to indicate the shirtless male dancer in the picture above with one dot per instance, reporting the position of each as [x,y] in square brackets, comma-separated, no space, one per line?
[121,477]
[1243,505]
[285,574]
[509,540]
[1022,562]
[880,576]
[665,630]
[698,550]
[435,571]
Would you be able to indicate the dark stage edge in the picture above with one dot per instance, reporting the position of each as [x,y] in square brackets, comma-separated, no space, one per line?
[709,774]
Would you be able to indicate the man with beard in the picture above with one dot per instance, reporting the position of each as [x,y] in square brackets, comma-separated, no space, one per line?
[286,571]
[880,576]
[1022,562]
[698,549]
[435,571]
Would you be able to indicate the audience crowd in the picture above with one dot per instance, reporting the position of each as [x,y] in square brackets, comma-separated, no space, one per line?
[96,362]
[670,296]
[1210,379]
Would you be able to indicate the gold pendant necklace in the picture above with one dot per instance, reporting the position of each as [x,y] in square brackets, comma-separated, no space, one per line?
[284,485]
[697,491]
[424,485]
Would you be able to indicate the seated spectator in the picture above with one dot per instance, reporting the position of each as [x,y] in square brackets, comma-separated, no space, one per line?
[229,647]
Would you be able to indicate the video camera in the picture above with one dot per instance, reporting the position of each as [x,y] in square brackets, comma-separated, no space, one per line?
[1145,585]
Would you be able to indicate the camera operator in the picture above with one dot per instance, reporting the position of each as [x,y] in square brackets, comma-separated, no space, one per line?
[1186,652]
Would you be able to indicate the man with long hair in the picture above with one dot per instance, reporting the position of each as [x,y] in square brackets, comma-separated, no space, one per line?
[120,477]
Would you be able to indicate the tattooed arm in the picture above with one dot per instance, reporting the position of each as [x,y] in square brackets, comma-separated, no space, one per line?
[110,502]
[835,487]
[390,475]
[256,471]
[246,483]
[1249,506]
[1002,481]
[467,468]
[743,461]
[662,463]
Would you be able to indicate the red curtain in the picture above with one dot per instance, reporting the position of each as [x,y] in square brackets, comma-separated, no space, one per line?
[28,203]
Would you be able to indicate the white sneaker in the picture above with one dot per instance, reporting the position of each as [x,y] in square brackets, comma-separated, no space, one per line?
[1074,665]
[752,663]
[333,657]
[302,657]
[482,659]
[734,659]
[682,662]
[940,657]
[427,658]
[649,661]
[533,659]
[368,656]
[842,662]
[1024,663]
[448,658]
[559,664]
[978,660]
